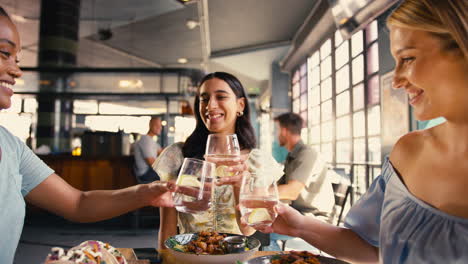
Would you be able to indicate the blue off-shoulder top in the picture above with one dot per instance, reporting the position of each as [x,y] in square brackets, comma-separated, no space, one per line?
[406,229]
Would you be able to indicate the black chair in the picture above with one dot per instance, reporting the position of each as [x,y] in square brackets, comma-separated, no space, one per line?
[342,189]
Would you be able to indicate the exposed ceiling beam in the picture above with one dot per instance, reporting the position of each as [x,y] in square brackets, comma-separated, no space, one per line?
[127,55]
[245,49]
[204,31]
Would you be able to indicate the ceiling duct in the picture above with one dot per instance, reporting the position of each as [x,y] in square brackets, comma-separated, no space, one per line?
[353,15]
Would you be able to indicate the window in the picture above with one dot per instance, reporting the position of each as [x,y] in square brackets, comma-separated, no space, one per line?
[343,103]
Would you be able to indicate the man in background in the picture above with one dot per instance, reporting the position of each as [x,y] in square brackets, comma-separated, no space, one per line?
[145,152]
[305,184]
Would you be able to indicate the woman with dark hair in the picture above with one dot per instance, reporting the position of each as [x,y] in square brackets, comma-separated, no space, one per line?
[195,144]
[23,176]
[221,106]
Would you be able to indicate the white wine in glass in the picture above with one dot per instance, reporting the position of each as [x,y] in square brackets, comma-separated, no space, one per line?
[195,186]
[258,199]
[224,151]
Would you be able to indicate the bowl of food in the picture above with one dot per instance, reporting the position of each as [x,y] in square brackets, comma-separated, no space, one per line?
[294,257]
[211,248]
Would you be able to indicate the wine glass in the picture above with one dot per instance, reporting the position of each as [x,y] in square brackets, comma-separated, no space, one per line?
[194,186]
[258,198]
[224,151]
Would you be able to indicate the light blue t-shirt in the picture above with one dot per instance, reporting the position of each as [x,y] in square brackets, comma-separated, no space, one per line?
[20,172]
[406,229]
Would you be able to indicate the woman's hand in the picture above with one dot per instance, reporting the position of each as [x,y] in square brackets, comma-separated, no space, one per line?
[158,194]
[236,170]
[288,222]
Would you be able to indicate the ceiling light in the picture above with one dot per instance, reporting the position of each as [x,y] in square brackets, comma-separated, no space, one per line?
[182,60]
[132,84]
[191,24]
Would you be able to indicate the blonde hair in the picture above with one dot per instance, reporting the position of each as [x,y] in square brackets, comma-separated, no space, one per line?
[446,19]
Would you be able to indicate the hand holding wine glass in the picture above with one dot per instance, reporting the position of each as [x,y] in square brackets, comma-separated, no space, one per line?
[194,186]
[258,198]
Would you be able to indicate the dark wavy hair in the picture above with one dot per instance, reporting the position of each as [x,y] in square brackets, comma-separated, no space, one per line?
[195,144]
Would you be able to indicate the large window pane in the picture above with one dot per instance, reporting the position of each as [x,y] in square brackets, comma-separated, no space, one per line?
[372,32]
[343,151]
[374,150]
[315,115]
[30,105]
[314,76]
[358,97]
[295,77]
[341,55]
[303,83]
[304,117]
[303,69]
[304,102]
[360,176]
[327,151]
[342,79]
[314,60]
[326,88]
[327,131]
[295,105]
[359,150]
[327,110]
[315,134]
[343,127]
[326,68]
[314,98]
[357,43]
[359,125]
[342,103]
[358,69]
[374,90]
[338,38]
[373,58]
[296,90]
[325,49]
[373,120]
[85,107]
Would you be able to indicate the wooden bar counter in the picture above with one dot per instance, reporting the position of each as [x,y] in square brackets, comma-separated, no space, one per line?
[93,173]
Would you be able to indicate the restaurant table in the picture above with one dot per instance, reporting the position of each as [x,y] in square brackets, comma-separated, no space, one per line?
[169,259]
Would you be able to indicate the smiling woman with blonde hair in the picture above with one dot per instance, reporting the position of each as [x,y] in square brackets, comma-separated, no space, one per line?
[416,211]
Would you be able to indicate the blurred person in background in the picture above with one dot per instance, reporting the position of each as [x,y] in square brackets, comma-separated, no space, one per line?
[145,152]
[306,183]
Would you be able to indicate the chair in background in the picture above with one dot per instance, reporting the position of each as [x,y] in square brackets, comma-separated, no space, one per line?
[342,189]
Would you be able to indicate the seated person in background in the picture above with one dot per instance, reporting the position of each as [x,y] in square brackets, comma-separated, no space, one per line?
[306,182]
[145,153]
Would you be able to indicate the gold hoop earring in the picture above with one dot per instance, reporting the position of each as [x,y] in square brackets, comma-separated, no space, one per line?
[239,114]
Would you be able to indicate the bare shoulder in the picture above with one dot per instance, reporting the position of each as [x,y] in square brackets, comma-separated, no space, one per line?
[408,148]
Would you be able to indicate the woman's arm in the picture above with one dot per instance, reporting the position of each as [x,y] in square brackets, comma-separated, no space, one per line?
[167,225]
[57,196]
[339,242]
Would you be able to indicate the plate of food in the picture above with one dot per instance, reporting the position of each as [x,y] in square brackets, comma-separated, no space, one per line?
[211,247]
[295,257]
[90,252]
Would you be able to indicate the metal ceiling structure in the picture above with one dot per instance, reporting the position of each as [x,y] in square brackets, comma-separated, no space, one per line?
[240,36]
